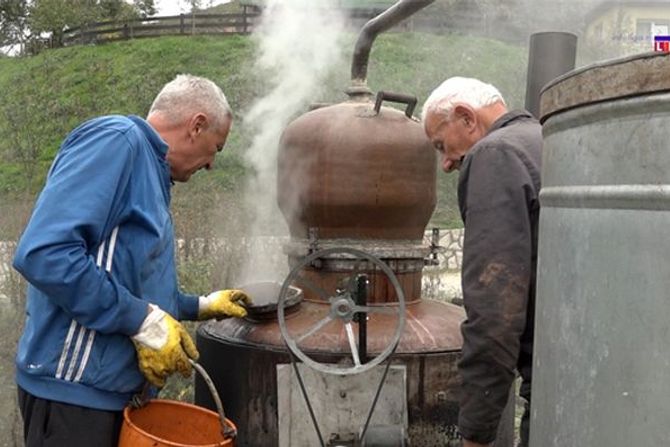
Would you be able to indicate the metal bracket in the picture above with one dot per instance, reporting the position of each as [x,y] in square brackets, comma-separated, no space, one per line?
[435,247]
[313,238]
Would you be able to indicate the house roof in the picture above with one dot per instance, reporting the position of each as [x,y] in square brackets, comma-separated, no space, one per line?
[607,5]
[345,4]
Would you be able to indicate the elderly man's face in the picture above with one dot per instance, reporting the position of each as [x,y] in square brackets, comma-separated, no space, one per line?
[197,150]
[450,136]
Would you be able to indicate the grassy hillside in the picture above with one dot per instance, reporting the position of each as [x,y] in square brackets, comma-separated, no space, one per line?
[45,96]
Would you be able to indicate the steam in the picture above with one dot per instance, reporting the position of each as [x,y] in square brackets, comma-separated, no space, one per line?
[299,44]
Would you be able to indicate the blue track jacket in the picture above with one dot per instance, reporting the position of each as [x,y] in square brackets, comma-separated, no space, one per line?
[98,248]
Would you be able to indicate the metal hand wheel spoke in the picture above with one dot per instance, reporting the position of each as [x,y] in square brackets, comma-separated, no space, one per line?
[315,328]
[352,344]
[376,310]
[309,284]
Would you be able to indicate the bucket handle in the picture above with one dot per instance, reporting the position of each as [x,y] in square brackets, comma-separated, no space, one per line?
[226,430]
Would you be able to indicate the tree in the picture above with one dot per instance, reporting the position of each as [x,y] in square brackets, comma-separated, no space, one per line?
[55,16]
[146,8]
[13,22]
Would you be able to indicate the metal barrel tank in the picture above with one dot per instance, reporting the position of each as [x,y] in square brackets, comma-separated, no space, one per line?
[361,175]
[602,367]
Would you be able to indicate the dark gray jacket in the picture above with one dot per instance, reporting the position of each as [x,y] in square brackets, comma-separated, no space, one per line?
[498,191]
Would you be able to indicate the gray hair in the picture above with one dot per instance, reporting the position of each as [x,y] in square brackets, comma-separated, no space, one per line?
[187,94]
[458,90]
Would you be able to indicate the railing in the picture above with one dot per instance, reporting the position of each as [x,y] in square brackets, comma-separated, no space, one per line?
[178,25]
[183,24]
[245,21]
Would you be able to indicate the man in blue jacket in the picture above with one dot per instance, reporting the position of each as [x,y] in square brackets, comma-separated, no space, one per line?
[498,154]
[98,253]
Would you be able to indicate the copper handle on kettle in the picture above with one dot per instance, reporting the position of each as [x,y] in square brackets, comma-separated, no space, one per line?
[396,97]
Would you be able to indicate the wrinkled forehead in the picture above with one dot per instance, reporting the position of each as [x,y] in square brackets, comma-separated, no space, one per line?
[434,119]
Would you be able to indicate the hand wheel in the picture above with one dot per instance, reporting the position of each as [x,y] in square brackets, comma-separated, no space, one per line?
[342,306]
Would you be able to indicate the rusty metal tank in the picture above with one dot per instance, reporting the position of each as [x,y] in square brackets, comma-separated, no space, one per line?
[601,363]
[360,175]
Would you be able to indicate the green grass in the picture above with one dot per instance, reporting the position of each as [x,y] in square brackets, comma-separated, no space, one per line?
[45,96]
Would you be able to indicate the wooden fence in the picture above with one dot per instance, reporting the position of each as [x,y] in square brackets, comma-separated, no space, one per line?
[180,25]
[183,24]
[244,22]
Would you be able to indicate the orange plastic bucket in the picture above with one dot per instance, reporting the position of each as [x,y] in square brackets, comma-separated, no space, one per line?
[168,423]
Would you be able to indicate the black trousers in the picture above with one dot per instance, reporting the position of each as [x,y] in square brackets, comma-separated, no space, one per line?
[47,423]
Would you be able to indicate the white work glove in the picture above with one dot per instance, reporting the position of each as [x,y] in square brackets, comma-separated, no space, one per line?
[163,347]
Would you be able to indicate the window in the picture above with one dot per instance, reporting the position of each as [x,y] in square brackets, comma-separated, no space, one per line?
[646,29]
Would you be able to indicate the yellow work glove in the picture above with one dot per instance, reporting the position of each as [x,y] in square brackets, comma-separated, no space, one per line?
[222,304]
[163,347]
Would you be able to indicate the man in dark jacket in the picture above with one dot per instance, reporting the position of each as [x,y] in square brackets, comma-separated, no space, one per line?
[499,155]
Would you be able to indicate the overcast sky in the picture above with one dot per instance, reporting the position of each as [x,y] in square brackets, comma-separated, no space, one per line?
[173,7]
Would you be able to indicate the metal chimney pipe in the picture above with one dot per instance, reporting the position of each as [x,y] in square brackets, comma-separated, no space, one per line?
[396,13]
[550,55]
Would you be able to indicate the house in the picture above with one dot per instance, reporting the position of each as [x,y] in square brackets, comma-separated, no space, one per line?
[633,23]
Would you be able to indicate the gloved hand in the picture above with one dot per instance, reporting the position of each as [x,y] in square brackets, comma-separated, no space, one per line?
[223,303]
[163,347]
